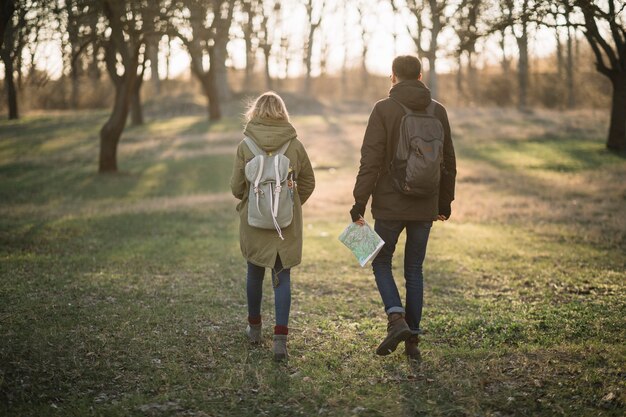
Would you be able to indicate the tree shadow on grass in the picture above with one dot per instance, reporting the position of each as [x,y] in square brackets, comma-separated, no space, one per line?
[545,153]
[34,130]
[27,182]
[97,303]
[231,124]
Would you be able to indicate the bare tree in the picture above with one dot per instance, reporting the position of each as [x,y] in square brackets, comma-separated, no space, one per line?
[422,11]
[270,11]
[250,10]
[560,15]
[94,50]
[605,29]
[74,19]
[500,25]
[123,49]
[152,55]
[218,53]
[518,16]
[152,32]
[346,30]
[203,27]
[285,54]
[570,65]
[314,20]
[364,10]
[136,107]
[466,25]
[25,20]
[7,54]
[7,7]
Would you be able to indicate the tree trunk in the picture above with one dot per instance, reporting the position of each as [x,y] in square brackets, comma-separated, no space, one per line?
[249,71]
[20,73]
[9,72]
[220,72]
[93,70]
[505,61]
[207,80]
[522,70]
[437,26]
[168,58]
[247,29]
[617,129]
[9,82]
[433,81]
[136,110]
[152,50]
[75,84]
[215,112]
[459,78]
[7,7]
[365,74]
[268,77]
[559,53]
[571,94]
[308,61]
[113,128]
[471,76]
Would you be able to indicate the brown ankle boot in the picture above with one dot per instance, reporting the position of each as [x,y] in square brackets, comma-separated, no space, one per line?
[254,332]
[280,347]
[411,347]
[397,331]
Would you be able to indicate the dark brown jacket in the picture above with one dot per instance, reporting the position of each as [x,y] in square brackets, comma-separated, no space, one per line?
[379,145]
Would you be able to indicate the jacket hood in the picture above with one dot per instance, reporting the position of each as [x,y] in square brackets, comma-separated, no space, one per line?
[412,93]
[269,134]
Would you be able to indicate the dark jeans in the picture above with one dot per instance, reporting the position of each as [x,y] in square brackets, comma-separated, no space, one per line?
[282,292]
[414,253]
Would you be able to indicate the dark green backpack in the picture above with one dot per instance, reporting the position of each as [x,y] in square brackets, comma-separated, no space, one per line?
[416,165]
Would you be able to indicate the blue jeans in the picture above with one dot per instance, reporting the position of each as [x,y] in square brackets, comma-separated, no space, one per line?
[282,292]
[415,250]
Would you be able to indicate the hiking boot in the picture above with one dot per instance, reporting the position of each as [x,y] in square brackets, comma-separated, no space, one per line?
[397,331]
[411,347]
[254,332]
[280,347]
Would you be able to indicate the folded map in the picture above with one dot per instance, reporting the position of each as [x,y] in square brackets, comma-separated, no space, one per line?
[363,241]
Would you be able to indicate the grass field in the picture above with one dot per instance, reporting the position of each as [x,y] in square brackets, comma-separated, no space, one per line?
[125,294]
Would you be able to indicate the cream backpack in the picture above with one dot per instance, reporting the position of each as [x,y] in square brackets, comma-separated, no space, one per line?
[270,200]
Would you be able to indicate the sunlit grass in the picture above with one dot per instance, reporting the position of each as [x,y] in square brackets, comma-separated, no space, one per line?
[125,294]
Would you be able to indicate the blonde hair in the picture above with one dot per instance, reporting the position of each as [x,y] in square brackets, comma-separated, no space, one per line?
[268,105]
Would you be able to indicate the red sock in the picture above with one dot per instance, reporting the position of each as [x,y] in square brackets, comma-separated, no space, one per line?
[281,330]
[254,320]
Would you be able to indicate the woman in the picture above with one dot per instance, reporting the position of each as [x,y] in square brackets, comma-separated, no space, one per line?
[269,127]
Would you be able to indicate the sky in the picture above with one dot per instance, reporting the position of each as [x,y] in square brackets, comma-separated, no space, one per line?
[338,26]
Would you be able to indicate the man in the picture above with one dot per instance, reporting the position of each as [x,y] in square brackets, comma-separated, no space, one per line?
[395,211]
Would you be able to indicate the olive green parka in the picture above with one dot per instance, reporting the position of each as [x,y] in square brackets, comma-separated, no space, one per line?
[261,246]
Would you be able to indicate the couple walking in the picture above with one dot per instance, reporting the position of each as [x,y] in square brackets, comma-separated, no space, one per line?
[271,137]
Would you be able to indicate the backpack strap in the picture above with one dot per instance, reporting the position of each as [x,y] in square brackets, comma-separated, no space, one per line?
[254,148]
[405,108]
[283,148]
[430,109]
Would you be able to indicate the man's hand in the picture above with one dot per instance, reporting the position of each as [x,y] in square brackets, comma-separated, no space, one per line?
[357,212]
[444,211]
